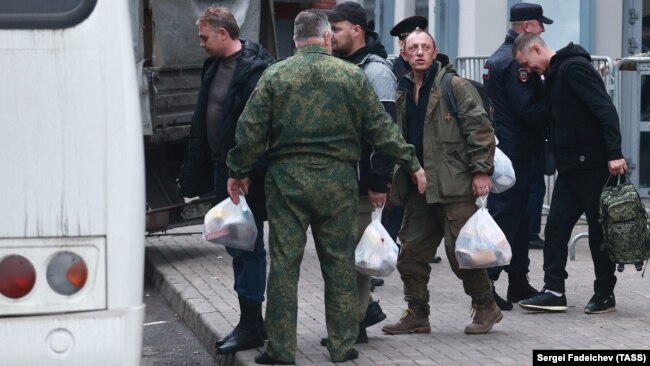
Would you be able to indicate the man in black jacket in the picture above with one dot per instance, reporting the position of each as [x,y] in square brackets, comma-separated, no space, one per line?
[229,76]
[586,142]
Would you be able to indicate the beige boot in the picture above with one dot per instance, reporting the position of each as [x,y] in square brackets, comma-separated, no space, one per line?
[485,316]
[412,321]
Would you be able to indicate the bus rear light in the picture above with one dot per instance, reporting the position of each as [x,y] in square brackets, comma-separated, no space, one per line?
[67,273]
[17,276]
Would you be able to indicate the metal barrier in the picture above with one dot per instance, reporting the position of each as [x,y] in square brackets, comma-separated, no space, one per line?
[471,67]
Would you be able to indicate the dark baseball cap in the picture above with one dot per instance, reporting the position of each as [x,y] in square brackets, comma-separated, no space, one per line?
[350,11]
[526,11]
[408,25]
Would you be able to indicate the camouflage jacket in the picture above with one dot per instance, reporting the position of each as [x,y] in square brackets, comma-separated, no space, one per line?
[453,150]
[313,108]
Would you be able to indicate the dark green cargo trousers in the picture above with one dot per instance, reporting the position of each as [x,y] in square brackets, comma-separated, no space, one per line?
[324,197]
[425,225]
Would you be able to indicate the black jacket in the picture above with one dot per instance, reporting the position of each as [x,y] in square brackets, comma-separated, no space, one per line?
[197,172]
[518,101]
[585,128]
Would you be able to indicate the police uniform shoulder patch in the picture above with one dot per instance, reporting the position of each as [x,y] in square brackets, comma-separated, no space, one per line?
[522,75]
[487,72]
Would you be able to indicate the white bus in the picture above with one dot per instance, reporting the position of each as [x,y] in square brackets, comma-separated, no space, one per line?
[72,186]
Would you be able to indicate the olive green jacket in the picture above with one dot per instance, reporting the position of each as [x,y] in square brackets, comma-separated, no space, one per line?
[313,108]
[453,149]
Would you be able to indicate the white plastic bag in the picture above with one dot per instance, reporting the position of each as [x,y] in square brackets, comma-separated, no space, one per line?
[231,225]
[376,253]
[503,177]
[481,243]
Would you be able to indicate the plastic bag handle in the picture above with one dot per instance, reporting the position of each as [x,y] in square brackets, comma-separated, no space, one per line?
[483,200]
[378,211]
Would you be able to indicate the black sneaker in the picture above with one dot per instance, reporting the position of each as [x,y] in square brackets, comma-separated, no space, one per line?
[501,303]
[544,301]
[601,304]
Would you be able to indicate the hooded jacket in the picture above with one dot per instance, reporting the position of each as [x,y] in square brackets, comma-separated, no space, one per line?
[585,130]
[453,149]
[197,172]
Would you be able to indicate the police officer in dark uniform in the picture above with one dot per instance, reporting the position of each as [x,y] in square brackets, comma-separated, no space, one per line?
[519,117]
[401,30]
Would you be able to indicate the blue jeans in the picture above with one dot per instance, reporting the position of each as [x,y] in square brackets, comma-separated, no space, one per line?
[250,269]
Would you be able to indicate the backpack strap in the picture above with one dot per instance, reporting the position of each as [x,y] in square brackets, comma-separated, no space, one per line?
[448,93]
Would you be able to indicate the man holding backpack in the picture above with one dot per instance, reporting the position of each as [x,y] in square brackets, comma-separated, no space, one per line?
[459,152]
[586,140]
[518,119]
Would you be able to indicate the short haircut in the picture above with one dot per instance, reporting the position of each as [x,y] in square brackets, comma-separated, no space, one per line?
[418,31]
[220,17]
[310,23]
[524,41]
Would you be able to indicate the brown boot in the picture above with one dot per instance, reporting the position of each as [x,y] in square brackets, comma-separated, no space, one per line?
[414,320]
[485,316]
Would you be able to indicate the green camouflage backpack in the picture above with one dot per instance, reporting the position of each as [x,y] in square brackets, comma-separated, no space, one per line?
[625,225]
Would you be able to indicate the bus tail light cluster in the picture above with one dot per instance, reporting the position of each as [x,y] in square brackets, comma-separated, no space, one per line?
[17,276]
[67,273]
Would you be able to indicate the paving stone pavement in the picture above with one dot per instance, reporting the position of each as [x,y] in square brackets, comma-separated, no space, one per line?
[196,278]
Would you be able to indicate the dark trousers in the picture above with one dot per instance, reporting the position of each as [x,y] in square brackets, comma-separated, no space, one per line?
[536,199]
[250,269]
[510,210]
[575,193]
[392,218]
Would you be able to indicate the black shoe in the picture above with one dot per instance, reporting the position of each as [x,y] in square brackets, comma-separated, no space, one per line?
[241,339]
[601,304]
[223,340]
[374,315]
[376,281]
[536,243]
[520,291]
[501,303]
[435,259]
[544,301]
[361,338]
[350,355]
[265,359]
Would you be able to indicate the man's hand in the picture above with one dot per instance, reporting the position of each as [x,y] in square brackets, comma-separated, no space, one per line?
[234,186]
[420,179]
[481,184]
[617,167]
[377,200]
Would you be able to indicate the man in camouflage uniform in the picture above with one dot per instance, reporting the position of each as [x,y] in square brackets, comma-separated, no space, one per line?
[308,115]
[458,153]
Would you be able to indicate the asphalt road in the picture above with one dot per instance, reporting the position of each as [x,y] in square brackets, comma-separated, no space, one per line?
[167,341]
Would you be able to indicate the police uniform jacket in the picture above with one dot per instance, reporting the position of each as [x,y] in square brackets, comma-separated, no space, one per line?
[585,128]
[197,174]
[313,108]
[453,149]
[518,101]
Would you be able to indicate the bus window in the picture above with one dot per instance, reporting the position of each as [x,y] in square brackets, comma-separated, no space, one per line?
[34,14]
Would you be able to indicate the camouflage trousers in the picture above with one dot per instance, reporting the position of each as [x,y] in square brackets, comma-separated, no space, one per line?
[425,225]
[324,197]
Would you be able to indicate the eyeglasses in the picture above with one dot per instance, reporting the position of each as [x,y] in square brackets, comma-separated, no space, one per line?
[413,49]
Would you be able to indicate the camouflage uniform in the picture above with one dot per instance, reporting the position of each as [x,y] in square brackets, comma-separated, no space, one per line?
[309,115]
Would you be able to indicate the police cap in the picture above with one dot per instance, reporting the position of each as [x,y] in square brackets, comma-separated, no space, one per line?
[408,25]
[526,11]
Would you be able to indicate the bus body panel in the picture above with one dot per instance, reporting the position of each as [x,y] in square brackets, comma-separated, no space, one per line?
[73,158]
[111,338]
